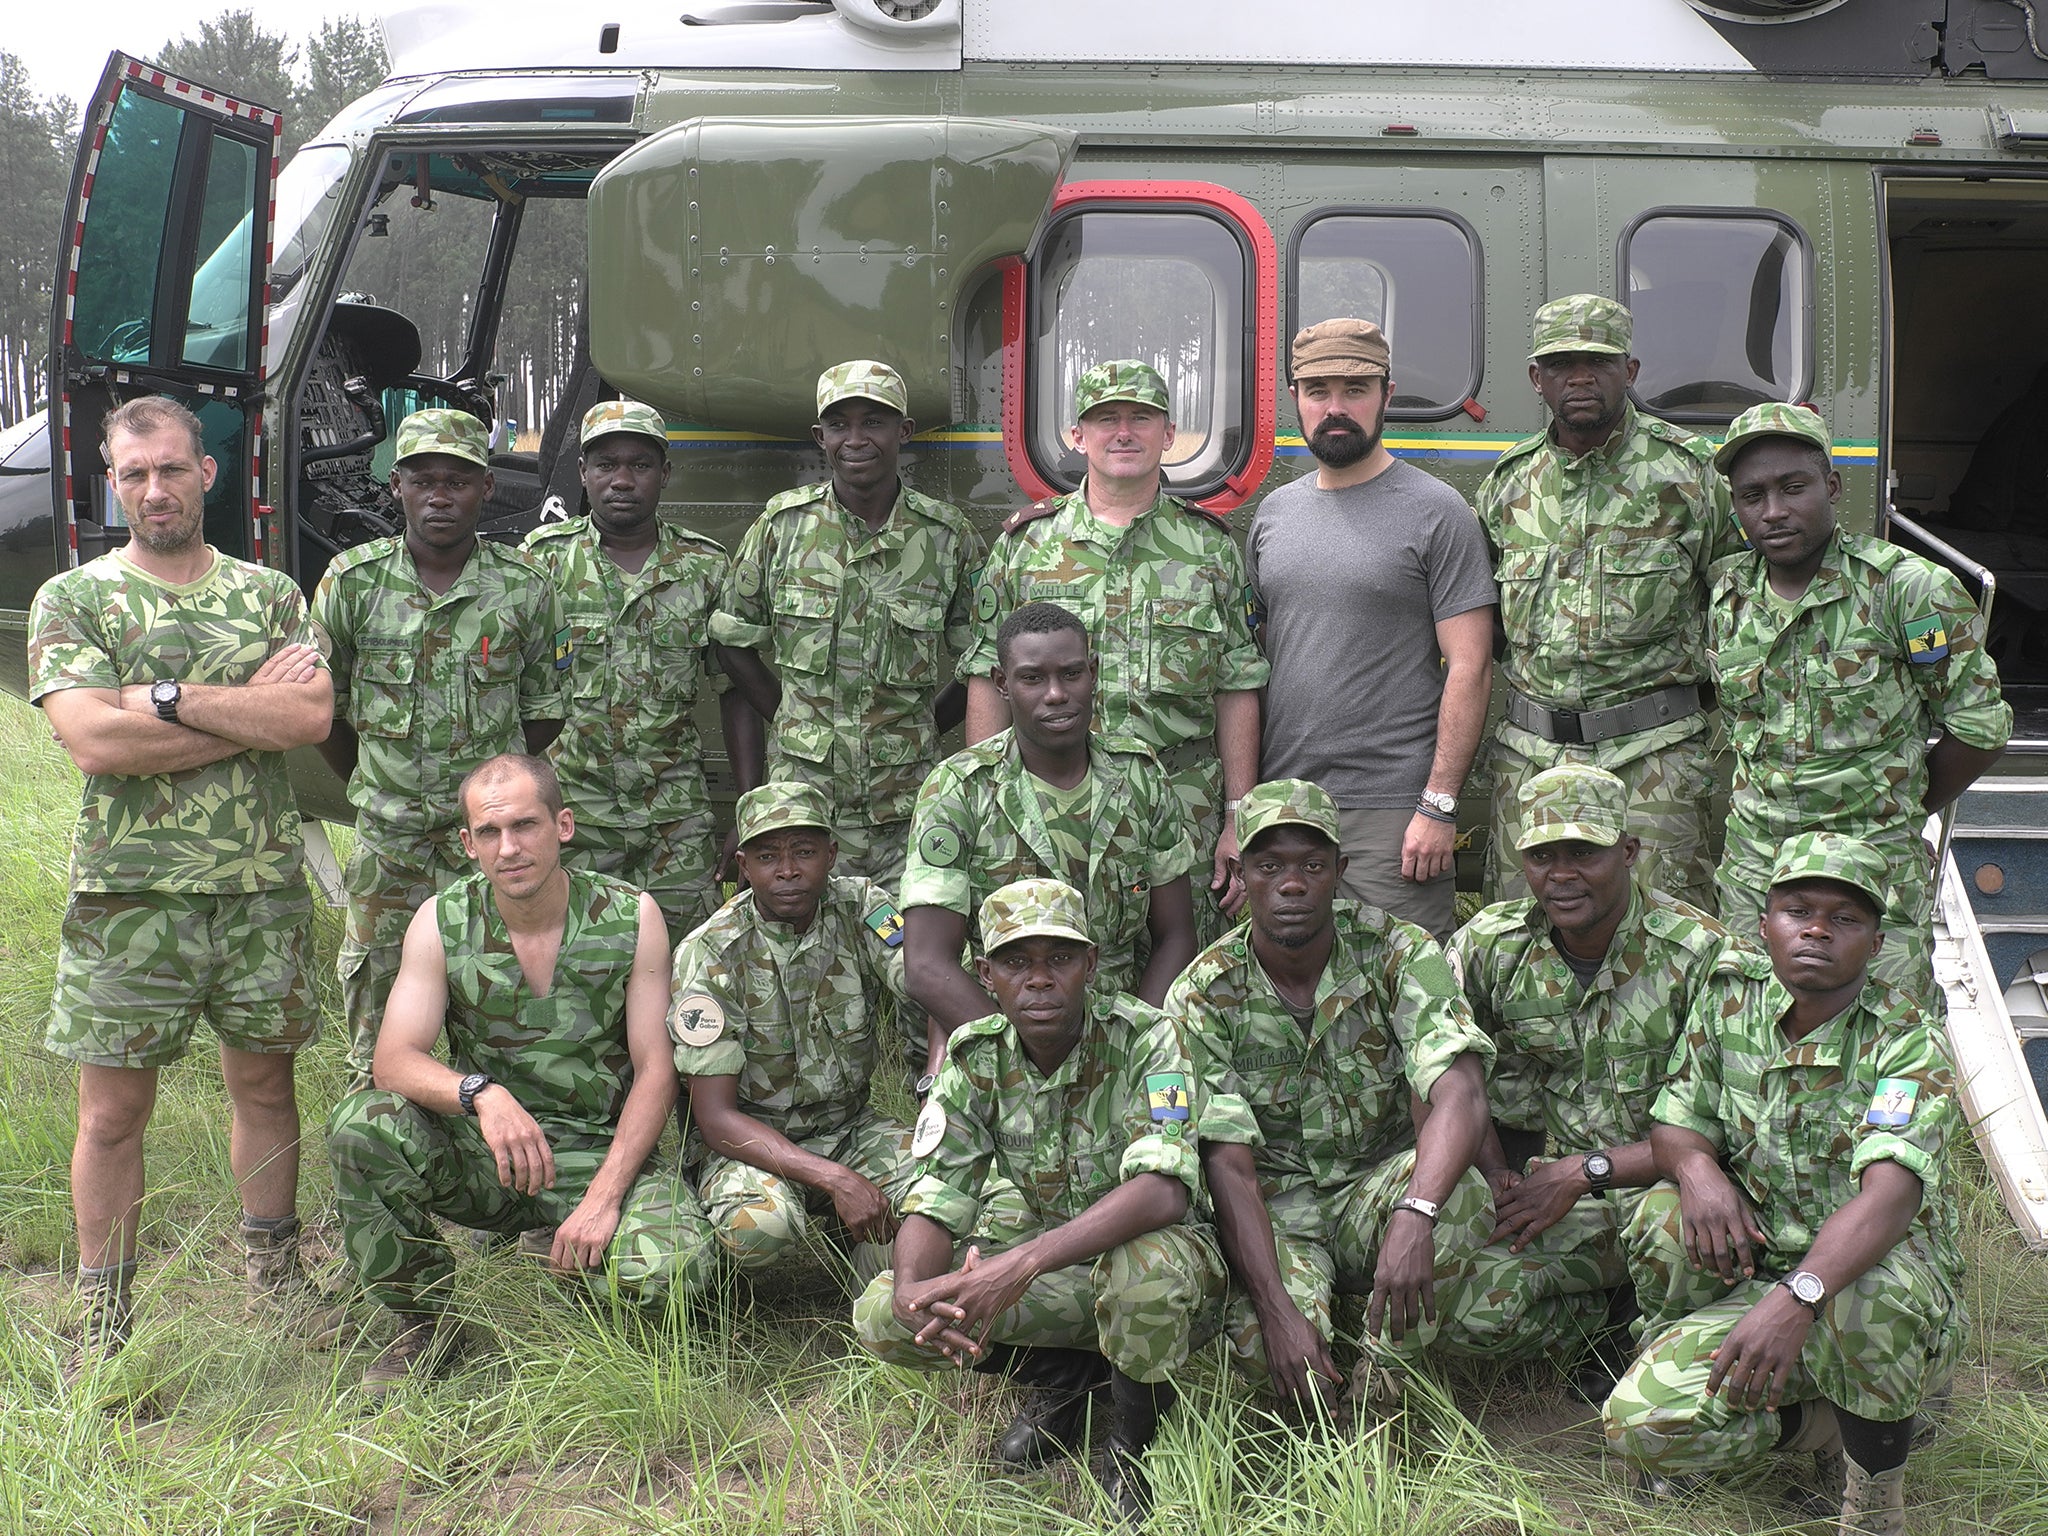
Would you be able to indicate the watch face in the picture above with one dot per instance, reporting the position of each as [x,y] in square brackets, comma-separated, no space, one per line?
[162,693]
[1808,1288]
[1598,1165]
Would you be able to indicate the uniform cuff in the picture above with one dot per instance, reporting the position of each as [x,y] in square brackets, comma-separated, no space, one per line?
[1173,1156]
[722,1058]
[941,1202]
[731,629]
[1227,1117]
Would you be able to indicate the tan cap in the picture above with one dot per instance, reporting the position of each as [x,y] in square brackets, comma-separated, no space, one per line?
[1339,349]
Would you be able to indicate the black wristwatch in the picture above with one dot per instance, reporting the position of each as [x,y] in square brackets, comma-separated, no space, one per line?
[1809,1288]
[1599,1170]
[923,1085]
[164,694]
[467,1090]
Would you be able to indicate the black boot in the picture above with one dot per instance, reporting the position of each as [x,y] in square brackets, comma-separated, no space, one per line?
[1138,1407]
[1054,1413]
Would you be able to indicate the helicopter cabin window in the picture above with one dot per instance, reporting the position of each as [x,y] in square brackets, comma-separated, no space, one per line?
[1415,273]
[1169,285]
[1723,305]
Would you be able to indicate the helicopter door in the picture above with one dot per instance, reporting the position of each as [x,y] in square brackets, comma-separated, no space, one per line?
[162,277]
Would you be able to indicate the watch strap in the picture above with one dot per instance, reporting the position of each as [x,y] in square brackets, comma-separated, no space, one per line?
[1427,1209]
[467,1090]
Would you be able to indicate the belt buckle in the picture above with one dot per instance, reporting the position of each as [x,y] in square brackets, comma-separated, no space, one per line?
[1567,732]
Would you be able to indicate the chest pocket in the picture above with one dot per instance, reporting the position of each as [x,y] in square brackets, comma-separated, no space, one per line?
[1646,584]
[1847,701]
[381,693]
[1184,641]
[910,643]
[591,676]
[680,631]
[1521,575]
[1746,707]
[493,711]
[1636,1074]
[804,617]
[1366,1082]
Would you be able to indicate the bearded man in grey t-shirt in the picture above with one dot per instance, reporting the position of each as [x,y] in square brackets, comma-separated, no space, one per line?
[1377,596]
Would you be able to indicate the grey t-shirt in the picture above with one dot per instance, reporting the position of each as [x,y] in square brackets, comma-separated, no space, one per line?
[1353,582]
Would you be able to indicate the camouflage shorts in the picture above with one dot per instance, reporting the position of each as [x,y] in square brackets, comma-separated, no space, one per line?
[137,969]
[762,1220]
[672,862]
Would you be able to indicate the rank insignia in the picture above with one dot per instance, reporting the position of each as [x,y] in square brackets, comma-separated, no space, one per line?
[1166,1093]
[1926,639]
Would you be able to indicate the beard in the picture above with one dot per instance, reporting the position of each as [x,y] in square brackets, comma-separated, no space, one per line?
[1340,441]
[173,540]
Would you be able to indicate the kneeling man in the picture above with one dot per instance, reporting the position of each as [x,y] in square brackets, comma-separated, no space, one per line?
[552,985]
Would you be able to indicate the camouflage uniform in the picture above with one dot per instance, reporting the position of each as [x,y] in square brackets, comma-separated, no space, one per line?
[1164,600]
[433,684]
[188,889]
[1603,562]
[564,1057]
[1327,1118]
[629,757]
[1796,1125]
[979,826]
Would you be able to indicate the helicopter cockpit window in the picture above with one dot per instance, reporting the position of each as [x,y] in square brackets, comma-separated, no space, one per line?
[1416,274]
[420,253]
[1723,305]
[1170,286]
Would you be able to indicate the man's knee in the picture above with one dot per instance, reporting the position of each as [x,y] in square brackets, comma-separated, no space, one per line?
[260,1082]
[368,1130]
[114,1105]
[760,1230]
[1158,1297]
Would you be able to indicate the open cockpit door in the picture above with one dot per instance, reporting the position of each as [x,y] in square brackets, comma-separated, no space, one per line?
[161,284]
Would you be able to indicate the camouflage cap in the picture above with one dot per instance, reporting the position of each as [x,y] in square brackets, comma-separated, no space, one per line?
[1774,418]
[1285,802]
[1832,856]
[771,807]
[863,379]
[1572,803]
[1339,349]
[1583,322]
[455,433]
[1026,909]
[609,416]
[1126,379]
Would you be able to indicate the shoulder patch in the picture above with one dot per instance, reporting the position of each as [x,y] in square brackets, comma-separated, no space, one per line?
[1926,639]
[929,1131]
[696,1019]
[1166,1095]
[1522,449]
[547,533]
[1893,1102]
[565,647]
[985,600]
[362,554]
[940,846]
[1669,432]
[886,923]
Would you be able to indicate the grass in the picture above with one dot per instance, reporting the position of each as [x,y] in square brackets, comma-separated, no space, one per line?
[756,1415]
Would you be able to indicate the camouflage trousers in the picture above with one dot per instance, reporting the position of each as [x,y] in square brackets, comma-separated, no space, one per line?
[1549,1300]
[385,887]
[1195,773]
[1881,1345]
[1907,959]
[761,1220]
[1670,807]
[673,861]
[1146,1305]
[397,1167]
[873,852]
[1328,1247]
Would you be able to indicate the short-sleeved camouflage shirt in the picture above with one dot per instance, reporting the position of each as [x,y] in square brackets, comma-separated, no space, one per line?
[979,824]
[1830,700]
[563,1056]
[228,826]
[1326,1110]
[857,624]
[792,1015]
[1796,1125]
[434,684]
[1118,1106]
[1604,562]
[629,755]
[1582,1064]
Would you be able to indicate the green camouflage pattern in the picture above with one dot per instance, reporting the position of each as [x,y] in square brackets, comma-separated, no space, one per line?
[136,970]
[1882,1343]
[1773,418]
[1287,802]
[629,757]
[1028,909]
[398,1168]
[1907,959]
[794,1016]
[1831,856]
[1327,1243]
[1573,802]
[609,416]
[1582,322]
[979,826]
[1548,1302]
[228,826]
[440,430]
[857,625]
[863,379]
[1124,379]
[771,807]
[1327,1113]
[762,1220]
[383,892]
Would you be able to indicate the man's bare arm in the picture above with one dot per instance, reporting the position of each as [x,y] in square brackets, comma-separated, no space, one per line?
[731,1132]
[269,714]
[340,748]
[118,731]
[932,940]
[987,710]
[539,735]
[1170,919]
[752,676]
[1466,642]
[1952,767]
[1237,744]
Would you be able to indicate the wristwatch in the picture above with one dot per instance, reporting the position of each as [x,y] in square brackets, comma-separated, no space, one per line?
[1426,1209]
[467,1090]
[164,695]
[1808,1287]
[923,1085]
[1599,1168]
[1442,804]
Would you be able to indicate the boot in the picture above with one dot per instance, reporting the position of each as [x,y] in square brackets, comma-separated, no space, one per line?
[1873,1503]
[1053,1416]
[278,1287]
[417,1351]
[109,1316]
[1820,1432]
[1138,1407]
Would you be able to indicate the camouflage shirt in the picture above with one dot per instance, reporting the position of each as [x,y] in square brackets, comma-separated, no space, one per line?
[1324,1111]
[629,754]
[857,623]
[1117,1107]
[1604,563]
[799,1010]
[979,825]
[564,1056]
[228,826]
[1583,1063]
[434,684]
[1830,700]
[1164,600]
[1796,1125]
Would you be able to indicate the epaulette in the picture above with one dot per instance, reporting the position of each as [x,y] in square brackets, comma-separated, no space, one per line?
[985,1028]
[1701,448]
[1031,513]
[1739,957]
[568,527]
[363,554]
[938,511]
[1881,554]
[1118,741]
[799,496]
[1518,450]
[1691,932]
[1500,917]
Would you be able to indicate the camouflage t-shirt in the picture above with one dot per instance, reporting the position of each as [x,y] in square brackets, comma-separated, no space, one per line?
[229,826]
[564,1056]
[1068,823]
[629,755]
[793,1016]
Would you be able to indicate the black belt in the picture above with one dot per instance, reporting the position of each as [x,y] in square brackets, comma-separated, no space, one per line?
[1583,727]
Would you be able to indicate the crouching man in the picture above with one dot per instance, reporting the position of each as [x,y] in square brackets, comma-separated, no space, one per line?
[1080,1097]
[552,985]
[1804,1297]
